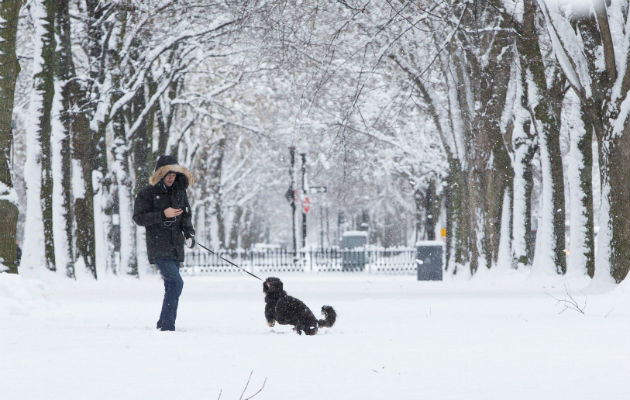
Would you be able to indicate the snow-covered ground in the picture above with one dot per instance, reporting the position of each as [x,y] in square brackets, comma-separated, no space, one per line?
[501,335]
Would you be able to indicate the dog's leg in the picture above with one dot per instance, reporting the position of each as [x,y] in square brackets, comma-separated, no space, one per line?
[270,314]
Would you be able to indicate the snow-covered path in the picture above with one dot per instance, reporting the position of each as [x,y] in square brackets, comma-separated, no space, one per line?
[494,337]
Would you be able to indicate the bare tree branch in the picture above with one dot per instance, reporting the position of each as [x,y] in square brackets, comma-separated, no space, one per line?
[569,302]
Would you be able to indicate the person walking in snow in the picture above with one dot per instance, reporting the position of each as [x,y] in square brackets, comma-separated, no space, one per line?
[163,209]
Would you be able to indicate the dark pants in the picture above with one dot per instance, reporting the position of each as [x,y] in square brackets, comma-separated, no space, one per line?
[173,285]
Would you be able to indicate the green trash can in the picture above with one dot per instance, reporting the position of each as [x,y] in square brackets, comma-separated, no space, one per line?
[429,260]
[353,250]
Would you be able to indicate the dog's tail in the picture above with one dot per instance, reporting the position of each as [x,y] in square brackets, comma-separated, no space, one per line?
[330,316]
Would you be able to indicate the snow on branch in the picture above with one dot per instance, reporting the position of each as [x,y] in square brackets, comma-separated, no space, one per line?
[164,85]
[236,176]
[200,110]
[606,36]
[426,97]
[210,95]
[138,80]
[568,60]
[407,150]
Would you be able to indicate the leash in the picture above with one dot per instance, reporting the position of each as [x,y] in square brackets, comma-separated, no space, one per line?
[228,261]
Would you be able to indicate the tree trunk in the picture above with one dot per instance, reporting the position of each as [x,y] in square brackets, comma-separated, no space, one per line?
[482,81]
[218,212]
[459,238]
[580,163]
[249,233]
[81,162]
[111,228]
[418,202]
[141,148]
[216,172]
[84,159]
[585,146]
[64,213]
[122,170]
[115,195]
[431,210]
[235,232]
[98,63]
[9,70]
[523,144]
[522,248]
[46,86]
[164,115]
[141,144]
[556,95]
[551,232]
[38,226]
[615,170]
[602,111]
[493,81]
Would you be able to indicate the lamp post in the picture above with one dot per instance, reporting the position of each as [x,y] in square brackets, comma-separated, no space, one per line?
[305,200]
[291,198]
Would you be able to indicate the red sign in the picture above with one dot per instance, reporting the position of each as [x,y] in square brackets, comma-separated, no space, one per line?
[306,204]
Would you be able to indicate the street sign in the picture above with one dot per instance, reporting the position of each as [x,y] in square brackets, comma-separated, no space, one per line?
[317,189]
[306,204]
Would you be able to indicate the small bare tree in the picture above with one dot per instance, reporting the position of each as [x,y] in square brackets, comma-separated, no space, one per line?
[245,389]
[569,302]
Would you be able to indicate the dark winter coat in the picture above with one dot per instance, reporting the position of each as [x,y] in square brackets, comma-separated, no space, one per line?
[165,236]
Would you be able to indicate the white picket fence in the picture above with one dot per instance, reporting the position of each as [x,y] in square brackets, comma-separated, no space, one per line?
[399,260]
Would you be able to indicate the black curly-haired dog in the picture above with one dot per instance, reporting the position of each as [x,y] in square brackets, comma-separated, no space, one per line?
[285,309]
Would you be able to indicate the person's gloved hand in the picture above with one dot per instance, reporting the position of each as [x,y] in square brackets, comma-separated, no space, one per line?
[189,239]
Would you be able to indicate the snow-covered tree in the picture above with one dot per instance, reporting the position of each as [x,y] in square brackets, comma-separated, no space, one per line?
[544,103]
[403,110]
[61,144]
[592,49]
[38,174]
[9,69]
